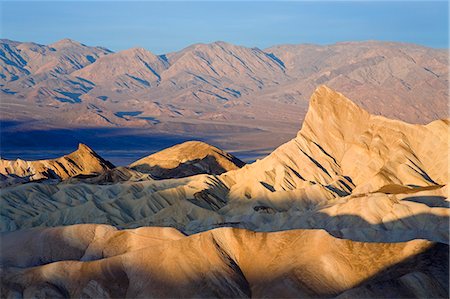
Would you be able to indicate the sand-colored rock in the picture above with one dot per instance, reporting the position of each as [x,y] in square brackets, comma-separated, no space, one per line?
[344,149]
[184,204]
[355,206]
[83,161]
[374,181]
[225,262]
[186,159]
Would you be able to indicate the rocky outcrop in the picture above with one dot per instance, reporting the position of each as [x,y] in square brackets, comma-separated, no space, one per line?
[83,161]
[187,159]
[356,205]
[377,180]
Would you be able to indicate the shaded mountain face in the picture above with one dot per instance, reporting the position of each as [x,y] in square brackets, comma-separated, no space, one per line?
[83,161]
[264,94]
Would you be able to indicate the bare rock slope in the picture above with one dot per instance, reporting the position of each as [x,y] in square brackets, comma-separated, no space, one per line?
[356,175]
[181,160]
[203,87]
[83,161]
[355,206]
[97,261]
[186,159]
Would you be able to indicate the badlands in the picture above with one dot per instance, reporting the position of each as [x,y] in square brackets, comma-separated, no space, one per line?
[355,206]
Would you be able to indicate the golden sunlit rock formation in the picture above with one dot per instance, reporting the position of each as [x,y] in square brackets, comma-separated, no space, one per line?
[98,261]
[186,159]
[83,161]
[356,205]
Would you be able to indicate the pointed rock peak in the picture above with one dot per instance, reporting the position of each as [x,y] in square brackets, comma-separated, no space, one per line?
[330,109]
[325,96]
[327,102]
[83,161]
[84,148]
[88,154]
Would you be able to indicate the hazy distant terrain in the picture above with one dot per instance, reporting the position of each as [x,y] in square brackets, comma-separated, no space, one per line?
[235,97]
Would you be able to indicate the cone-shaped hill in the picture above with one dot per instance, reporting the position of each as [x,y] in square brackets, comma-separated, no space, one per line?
[186,159]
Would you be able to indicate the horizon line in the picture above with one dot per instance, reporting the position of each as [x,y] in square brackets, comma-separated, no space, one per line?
[235,44]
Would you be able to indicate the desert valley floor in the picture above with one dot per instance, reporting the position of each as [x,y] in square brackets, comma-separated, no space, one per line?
[354,206]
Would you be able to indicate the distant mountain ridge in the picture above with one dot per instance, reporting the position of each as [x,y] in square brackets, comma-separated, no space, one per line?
[70,85]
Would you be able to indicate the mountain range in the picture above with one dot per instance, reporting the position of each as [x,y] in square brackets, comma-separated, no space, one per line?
[233,96]
[354,206]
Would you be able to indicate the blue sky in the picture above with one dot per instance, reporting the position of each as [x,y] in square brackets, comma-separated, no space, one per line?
[163,27]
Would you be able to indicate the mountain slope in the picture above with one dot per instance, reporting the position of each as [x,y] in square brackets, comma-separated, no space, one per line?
[356,175]
[42,62]
[197,89]
[221,64]
[345,150]
[130,69]
[83,161]
[98,261]
[186,159]
[391,79]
